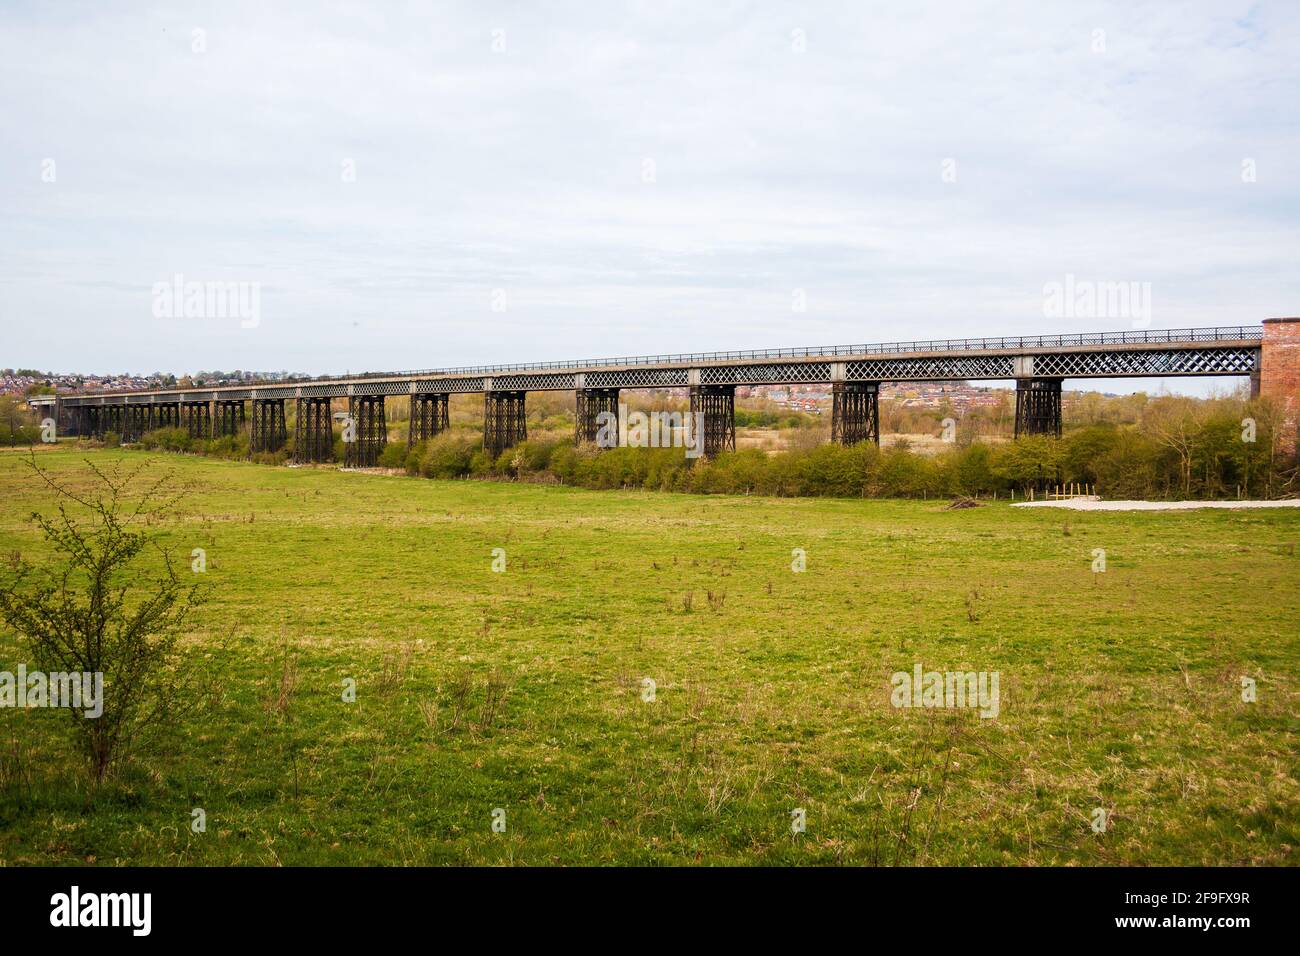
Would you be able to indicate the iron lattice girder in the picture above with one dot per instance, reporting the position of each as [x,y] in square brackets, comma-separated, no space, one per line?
[589,404]
[268,432]
[855,412]
[713,410]
[1038,407]
[504,421]
[1155,362]
[430,416]
[929,368]
[784,373]
[369,431]
[313,431]
[639,378]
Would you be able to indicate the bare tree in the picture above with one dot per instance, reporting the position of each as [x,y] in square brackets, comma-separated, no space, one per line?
[98,609]
[1174,421]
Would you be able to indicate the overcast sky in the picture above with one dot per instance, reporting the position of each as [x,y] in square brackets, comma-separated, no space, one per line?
[632,178]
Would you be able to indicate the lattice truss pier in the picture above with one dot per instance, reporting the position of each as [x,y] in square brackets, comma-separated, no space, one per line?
[589,404]
[97,422]
[369,431]
[197,418]
[713,408]
[268,432]
[164,415]
[504,421]
[230,417]
[430,416]
[1038,406]
[313,431]
[855,412]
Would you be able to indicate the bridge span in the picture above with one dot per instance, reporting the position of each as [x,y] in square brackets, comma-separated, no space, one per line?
[1269,354]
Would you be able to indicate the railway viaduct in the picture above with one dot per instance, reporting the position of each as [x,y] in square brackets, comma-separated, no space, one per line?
[1269,354]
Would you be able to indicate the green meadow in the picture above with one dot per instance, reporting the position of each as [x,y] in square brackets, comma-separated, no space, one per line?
[528,689]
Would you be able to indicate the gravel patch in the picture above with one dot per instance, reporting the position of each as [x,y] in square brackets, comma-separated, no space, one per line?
[1085,504]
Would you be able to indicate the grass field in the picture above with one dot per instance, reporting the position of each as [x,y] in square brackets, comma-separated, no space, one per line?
[1119,690]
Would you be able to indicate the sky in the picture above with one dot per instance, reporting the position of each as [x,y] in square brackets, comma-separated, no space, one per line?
[418,185]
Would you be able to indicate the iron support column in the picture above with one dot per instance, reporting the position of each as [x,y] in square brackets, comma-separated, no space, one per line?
[229,418]
[75,416]
[1038,406]
[717,406]
[268,432]
[369,431]
[135,422]
[504,421]
[313,431]
[589,405]
[115,416]
[165,415]
[430,416]
[197,418]
[855,412]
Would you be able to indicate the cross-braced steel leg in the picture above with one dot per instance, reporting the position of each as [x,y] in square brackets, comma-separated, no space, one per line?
[369,431]
[855,412]
[197,417]
[504,421]
[230,418]
[430,416]
[68,419]
[313,431]
[1038,406]
[136,421]
[115,420]
[268,432]
[717,405]
[166,415]
[589,405]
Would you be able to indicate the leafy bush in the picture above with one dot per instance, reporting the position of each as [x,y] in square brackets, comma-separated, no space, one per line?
[228,446]
[448,456]
[393,455]
[414,455]
[22,435]
[1179,447]
[166,439]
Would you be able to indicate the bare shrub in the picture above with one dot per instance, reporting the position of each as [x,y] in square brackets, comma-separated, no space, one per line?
[393,669]
[495,689]
[98,608]
[280,693]
[459,688]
